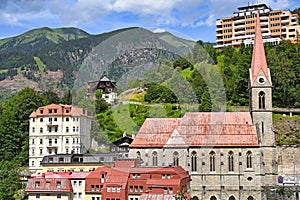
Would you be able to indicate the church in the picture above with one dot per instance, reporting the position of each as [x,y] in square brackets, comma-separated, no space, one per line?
[229,155]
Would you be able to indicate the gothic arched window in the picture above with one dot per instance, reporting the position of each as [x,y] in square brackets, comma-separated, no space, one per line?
[175,158]
[194,161]
[154,159]
[261,100]
[232,198]
[213,198]
[212,161]
[250,198]
[230,161]
[249,159]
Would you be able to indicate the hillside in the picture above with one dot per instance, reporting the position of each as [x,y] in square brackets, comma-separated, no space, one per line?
[50,59]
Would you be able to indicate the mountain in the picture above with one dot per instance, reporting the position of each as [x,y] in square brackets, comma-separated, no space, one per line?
[52,59]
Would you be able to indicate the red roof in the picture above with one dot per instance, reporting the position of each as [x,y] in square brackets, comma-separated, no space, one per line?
[198,129]
[49,185]
[59,110]
[156,197]
[258,57]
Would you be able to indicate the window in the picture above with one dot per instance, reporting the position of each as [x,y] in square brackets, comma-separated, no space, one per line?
[170,190]
[250,198]
[163,176]
[119,188]
[55,129]
[37,196]
[32,163]
[32,152]
[136,189]
[55,110]
[37,184]
[67,129]
[41,141]
[41,130]
[67,140]
[213,198]
[32,141]
[79,195]
[67,119]
[75,195]
[58,184]
[175,158]
[74,128]
[131,189]
[41,151]
[108,189]
[67,150]
[41,111]
[55,119]
[97,188]
[232,198]
[212,161]
[58,196]
[138,155]
[154,159]
[50,119]
[50,142]
[50,110]
[75,183]
[79,183]
[261,100]
[73,140]
[41,119]
[194,161]
[249,159]
[93,187]
[55,141]
[77,128]
[33,129]
[33,119]
[230,161]
[113,189]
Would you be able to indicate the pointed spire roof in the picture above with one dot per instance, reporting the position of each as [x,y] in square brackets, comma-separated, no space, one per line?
[259,61]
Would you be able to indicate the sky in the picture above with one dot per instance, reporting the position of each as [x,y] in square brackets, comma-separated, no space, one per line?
[191,19]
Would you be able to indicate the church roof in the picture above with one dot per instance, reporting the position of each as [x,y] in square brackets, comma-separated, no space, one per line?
[217,129]
[259,61]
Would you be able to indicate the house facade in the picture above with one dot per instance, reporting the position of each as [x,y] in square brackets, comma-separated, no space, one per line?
[57,129]
[229,155]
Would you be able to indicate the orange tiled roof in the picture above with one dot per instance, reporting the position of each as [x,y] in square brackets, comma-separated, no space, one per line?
[198,129]
[59,110]
[259,61]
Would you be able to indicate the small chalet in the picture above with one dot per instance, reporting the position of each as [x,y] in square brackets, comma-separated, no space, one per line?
[106,86]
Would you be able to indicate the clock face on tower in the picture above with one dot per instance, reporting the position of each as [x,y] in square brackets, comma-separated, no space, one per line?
[261,80]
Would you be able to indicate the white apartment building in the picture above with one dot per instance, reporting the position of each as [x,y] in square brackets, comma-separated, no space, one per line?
[57,129]
[240,28]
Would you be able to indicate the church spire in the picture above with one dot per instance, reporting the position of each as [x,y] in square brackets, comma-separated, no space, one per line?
[258,57]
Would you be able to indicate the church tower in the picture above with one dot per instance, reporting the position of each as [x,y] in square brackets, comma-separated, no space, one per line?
[260,95]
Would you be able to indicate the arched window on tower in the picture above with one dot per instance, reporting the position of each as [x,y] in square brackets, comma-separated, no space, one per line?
[261,100]
[194,161]
[230,162]
[250,198]
[175,158]
[249,160]
[154,159]
[212,161]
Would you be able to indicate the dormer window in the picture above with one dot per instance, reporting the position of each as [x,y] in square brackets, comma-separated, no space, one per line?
[41,111]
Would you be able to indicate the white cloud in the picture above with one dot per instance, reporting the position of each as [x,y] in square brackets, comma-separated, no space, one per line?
[190,13]
[159,30]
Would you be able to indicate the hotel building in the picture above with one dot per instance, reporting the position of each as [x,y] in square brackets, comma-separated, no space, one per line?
[57,129]
[240,28]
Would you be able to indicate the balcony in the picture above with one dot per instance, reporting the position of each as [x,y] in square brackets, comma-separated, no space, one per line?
[239,26]
[264,23]
[285,21]
[285,15]
[219,29]
[239,21]
[219,34]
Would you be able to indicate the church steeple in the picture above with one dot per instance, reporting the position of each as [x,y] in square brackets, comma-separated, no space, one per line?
[259,62]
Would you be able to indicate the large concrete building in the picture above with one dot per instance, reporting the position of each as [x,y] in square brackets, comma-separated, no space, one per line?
[57,129]
[230,155]
[239,28]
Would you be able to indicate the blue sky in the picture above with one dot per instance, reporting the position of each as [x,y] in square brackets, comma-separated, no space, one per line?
[193,19]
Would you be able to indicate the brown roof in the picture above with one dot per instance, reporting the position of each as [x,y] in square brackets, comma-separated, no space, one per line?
[258,57]
[198,129]
[59,110]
